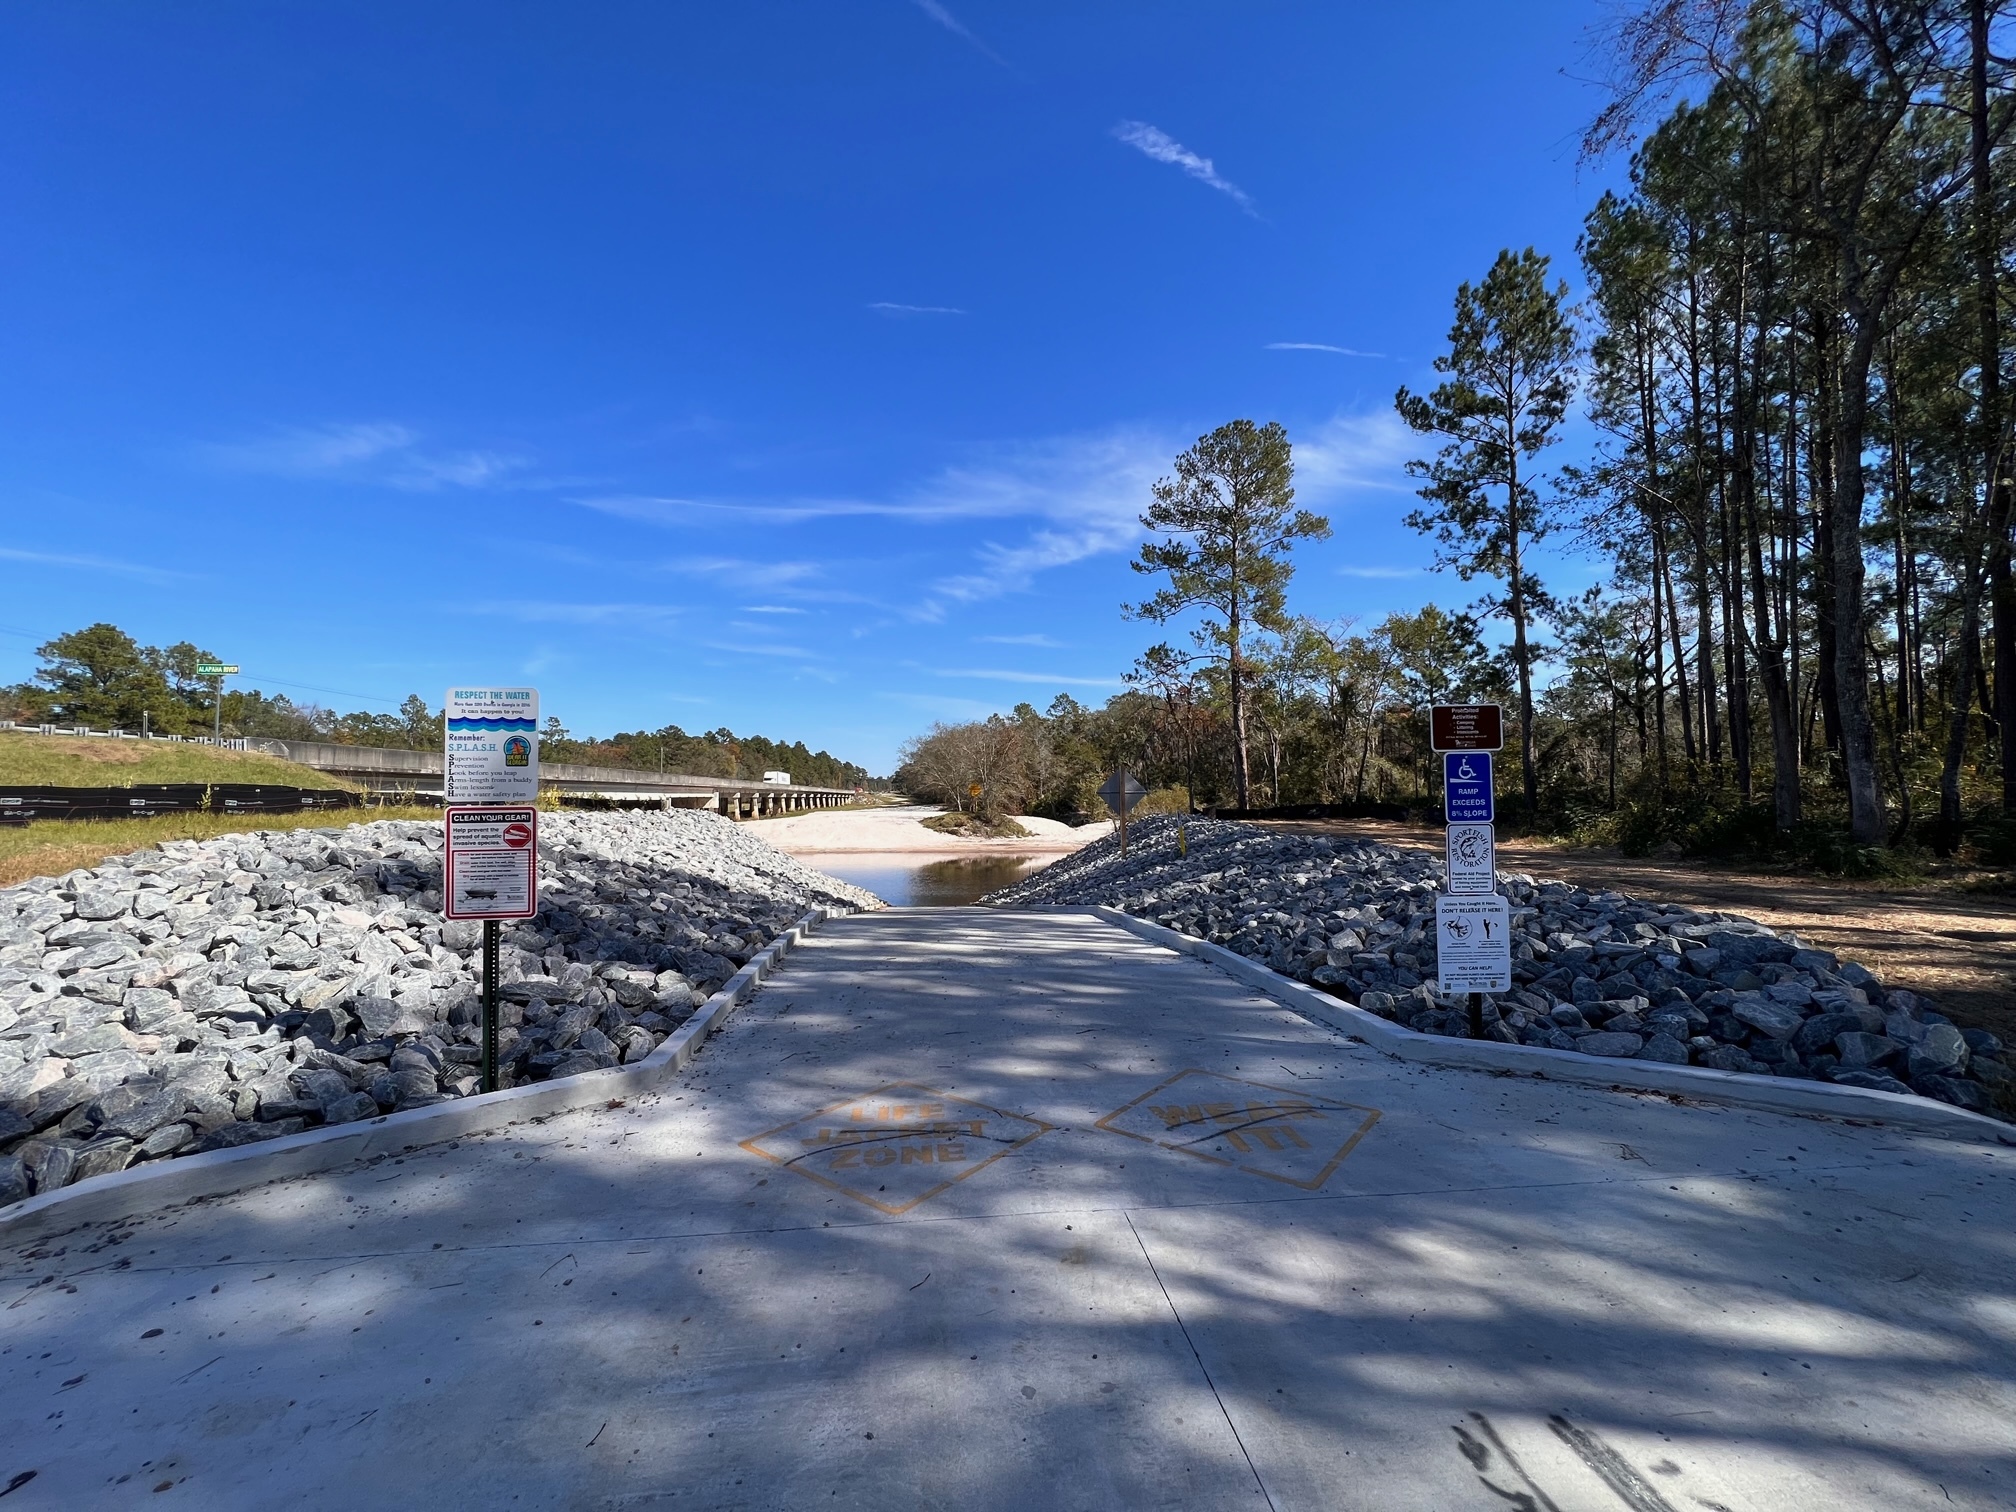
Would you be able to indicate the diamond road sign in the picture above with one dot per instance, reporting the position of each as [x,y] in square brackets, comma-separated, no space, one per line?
[1122,792]
[1466,788]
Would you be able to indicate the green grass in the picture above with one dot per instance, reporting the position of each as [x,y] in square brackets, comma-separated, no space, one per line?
[51,848]
[78,761]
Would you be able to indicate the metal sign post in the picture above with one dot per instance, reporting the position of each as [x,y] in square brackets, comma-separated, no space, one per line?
[490,871]
[1473,945]
[1122,792]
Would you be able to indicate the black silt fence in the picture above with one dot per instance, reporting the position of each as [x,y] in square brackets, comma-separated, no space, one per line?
[24,805]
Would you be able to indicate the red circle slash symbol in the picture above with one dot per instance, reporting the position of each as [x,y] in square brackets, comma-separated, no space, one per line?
[517,836]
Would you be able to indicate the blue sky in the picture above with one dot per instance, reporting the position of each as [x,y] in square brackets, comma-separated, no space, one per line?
[795,367]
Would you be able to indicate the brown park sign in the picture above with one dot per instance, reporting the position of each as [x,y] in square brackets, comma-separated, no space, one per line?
[1466,727]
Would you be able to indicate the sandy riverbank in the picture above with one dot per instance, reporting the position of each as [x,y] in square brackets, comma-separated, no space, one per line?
[901,829]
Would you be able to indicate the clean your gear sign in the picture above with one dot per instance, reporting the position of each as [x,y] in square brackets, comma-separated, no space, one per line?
[493,745]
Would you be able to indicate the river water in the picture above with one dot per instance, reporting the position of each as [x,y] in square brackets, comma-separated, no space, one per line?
[921,879]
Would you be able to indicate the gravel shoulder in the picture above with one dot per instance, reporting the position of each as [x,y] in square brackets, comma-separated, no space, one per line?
[1594,970]
[208,994]
[1955,946]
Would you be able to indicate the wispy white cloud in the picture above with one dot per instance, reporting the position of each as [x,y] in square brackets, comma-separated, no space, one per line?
[1318,346]
[83,563]
[1076,497]
[546,612]
[1163,148]
[1019,640]
[900,311]
[1003,674]
[748,574]
[1363,451]
[380,451]
[952,24]
[1379,572]
[772,609]
[750,648]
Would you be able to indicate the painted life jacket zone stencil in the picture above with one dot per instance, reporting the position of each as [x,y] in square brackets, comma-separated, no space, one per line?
[896,1147]
[1282,1134]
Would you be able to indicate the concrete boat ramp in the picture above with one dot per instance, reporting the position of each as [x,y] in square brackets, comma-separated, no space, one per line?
[971,1209]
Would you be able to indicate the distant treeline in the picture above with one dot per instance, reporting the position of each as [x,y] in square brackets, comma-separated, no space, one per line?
[102,678]
[715,753]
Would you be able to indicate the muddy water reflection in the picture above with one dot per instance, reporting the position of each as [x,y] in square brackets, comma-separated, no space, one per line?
[922,879]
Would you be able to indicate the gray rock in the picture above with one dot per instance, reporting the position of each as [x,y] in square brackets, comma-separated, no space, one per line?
[321,1087]
[233,1135]
[165,1140]
[52,1165]
[1664,1047]
[93,1041]
[1864,1050]
[380,1017]
[1606,1044]
[13,1180]
[1941,1051]
[1981,1042]
[103,1156]
[1767,1017]
[135,1110]
[1820,1031]
[103,905]
[349,1108]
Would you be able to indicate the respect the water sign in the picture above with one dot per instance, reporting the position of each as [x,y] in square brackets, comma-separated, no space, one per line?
[492,745]
[1466,788]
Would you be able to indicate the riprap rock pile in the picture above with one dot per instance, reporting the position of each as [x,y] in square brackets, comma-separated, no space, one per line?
[1599,973]
[210,993]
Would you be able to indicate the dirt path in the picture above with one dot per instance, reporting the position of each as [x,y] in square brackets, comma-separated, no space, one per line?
[1959,947]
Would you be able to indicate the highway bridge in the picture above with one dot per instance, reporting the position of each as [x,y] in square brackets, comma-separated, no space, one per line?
[384,769]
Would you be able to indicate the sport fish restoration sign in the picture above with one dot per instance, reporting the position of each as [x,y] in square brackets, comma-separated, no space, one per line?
[493,745]
[491,870]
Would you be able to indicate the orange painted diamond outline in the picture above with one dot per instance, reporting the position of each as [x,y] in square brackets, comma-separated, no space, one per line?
[1210,1128]
[871,1136]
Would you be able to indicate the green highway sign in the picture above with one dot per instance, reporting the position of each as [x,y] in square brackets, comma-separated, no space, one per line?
[215,669]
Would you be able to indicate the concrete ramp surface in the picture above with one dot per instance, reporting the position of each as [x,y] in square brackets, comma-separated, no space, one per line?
[974,1209]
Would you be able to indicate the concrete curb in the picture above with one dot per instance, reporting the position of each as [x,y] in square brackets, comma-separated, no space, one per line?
[1770,1094]
[168,1183]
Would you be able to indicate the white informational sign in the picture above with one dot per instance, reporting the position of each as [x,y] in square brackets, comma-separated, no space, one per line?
[492,866]
[1473,943]
[1473,858]
[493,745]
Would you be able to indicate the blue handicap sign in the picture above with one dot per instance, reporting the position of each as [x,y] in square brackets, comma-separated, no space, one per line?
[1466,788]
